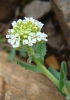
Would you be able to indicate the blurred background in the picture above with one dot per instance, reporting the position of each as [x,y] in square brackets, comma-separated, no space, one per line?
[48,12]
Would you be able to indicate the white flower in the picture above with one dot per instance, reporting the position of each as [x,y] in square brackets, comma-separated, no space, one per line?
[37,23]
[25,32]
[14,23]
[41,36]
[14,40]
[30,41]
[19,21]
[7,36]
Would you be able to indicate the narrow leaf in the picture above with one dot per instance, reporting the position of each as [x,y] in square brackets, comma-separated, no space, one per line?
[12,54]
[67,85]
[62,75]
[23,53]
[29,60]
[29,67]
[59,90]
[41,50]
[54,72]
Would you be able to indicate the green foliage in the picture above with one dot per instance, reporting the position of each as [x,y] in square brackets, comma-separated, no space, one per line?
[29,60]
[12,54]
[67,85]
[29,67]
[63,71]
[22,53]
[41,51]
[54,72]
[59,90]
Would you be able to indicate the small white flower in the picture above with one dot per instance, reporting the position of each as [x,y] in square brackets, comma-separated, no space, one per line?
[32,20]
[7,36]
[11,30]
[14,40]
[9,40]
[25,42]
[31,41]
[19,21]
[27,19]
[14,23]
[39,24]
[41,36]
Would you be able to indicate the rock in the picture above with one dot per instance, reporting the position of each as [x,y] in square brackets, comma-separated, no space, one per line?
[62,11]
[55,41]
[17,83]
[51,61]
[37,9]
[7,9]
[49,28]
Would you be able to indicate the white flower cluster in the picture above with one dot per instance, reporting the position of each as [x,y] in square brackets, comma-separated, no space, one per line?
[25,32]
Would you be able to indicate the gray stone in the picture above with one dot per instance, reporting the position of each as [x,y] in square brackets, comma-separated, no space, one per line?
[37,9]
[62,11]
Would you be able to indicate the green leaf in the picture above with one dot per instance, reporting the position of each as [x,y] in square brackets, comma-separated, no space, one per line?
[61,92]
[67,85]
[23,53]
[29,60]
[29,67]
[41,50]
[12,54]
[54,72]
[63,71]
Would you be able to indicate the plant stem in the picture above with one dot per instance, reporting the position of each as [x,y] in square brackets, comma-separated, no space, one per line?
[46,72]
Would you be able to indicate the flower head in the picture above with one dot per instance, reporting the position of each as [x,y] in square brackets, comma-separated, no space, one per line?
[25,32]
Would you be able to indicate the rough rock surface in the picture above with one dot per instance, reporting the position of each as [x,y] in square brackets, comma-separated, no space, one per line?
[37,9]
[7,9]
[62,11]
[17,83]
[55,37]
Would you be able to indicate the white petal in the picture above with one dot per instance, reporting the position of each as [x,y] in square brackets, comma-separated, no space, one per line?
[18,43]
[12,36]
[8,30]
[29,38]
[33,40]
[12,42]
[27,19]
[9,40]
[14,23]
[32,20]
[40,25]
[7,36]
[11,30]
[25,42]
[30,44]
[39,39]
[15,46]
[19,21]
[16,35]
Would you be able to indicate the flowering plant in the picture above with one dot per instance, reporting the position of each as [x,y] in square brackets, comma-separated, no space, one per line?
[26,35]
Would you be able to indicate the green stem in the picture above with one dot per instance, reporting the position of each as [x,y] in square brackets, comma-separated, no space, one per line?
[46,72]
